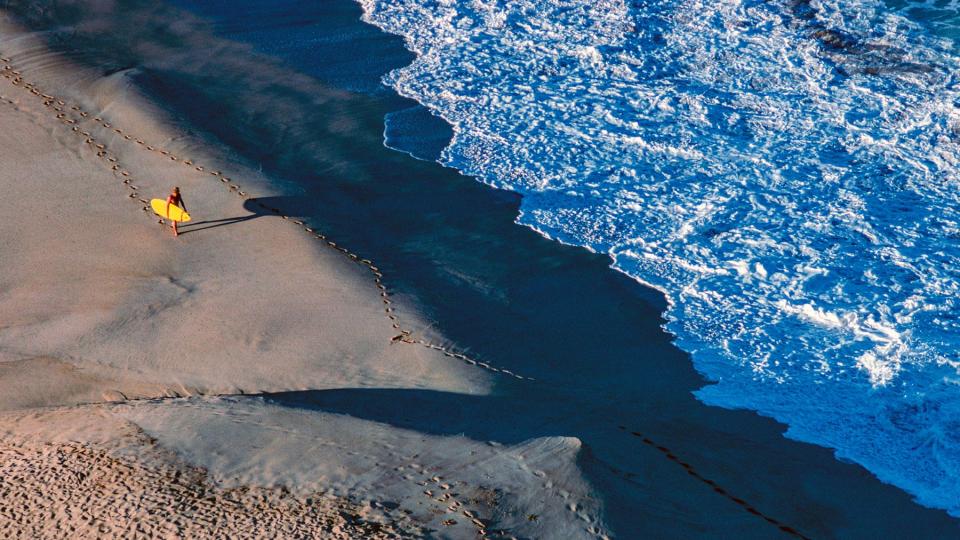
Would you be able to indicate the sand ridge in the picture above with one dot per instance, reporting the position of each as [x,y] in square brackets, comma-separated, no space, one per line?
[172,291]
[63,114]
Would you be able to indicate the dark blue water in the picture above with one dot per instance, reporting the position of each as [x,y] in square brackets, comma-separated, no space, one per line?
[309,35]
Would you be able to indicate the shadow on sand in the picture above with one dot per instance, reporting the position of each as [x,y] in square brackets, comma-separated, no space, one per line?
[263,206]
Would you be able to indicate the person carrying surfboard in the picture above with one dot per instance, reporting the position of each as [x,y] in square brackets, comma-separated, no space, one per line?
[177,200]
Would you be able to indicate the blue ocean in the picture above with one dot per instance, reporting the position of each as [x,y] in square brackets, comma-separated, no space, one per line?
[785,172]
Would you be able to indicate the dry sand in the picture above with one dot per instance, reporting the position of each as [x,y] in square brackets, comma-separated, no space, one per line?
[79,490]
[106,319]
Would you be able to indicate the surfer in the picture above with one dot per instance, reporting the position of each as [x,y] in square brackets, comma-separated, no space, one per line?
[177,200]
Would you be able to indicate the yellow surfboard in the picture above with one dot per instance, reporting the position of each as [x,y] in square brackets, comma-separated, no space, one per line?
[176,213]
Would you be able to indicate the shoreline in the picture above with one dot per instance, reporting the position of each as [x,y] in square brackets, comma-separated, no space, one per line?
[761,331]
[563,317]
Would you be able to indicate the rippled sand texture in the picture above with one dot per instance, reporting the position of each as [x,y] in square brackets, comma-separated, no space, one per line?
[75,490]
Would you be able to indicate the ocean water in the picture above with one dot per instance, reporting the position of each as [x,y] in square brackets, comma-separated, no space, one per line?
[786,172]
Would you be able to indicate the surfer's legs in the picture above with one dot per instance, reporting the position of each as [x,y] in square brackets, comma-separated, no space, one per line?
[175,233]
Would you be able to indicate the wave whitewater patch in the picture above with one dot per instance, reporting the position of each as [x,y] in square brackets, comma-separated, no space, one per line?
[785,172]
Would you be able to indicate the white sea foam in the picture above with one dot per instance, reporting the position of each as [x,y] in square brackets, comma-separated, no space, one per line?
[786,172]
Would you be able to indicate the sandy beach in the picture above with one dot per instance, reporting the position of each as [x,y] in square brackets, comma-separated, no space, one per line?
[103,305]
[347,341]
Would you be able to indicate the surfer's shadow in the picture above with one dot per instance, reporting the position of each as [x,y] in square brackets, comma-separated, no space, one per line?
[256,207]
[213,223]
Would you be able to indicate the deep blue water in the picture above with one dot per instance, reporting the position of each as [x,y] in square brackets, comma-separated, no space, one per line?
[786,172]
